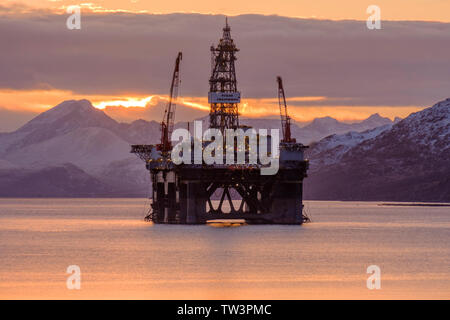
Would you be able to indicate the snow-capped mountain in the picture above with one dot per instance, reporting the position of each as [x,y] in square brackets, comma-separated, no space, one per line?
[62,119]
[331,149]
[72,135]
[408,162]
[75,149]
[320,128]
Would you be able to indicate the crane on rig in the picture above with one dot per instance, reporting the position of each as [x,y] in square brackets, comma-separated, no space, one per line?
[285,119]
[167,123]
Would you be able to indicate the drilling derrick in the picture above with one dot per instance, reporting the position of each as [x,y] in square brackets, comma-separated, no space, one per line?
[169,114]
[223,95]
[285,119]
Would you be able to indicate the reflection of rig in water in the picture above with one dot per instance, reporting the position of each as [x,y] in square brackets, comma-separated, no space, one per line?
[184,193]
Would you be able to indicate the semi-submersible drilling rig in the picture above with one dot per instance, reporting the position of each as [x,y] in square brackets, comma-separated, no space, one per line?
[196,193]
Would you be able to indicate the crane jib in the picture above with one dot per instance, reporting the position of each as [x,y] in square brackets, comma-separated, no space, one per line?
[169,113]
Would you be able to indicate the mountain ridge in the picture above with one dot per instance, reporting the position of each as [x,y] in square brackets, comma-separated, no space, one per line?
[81,143]
[407,162]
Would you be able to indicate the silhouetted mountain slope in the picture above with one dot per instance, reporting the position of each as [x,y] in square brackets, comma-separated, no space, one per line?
[64,180]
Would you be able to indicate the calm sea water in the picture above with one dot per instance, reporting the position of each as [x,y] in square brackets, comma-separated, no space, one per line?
[121,256]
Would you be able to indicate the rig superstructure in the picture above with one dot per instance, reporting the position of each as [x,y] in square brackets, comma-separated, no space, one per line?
[194,193]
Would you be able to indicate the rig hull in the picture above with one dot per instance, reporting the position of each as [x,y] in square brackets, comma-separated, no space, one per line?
[195,194]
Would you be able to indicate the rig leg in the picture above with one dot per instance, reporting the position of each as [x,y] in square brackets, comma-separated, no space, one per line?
[183,203]
[159,203]
[171,202]
[196,203]
[287,203]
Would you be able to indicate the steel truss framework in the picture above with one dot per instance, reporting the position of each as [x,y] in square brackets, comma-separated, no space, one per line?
[223,79]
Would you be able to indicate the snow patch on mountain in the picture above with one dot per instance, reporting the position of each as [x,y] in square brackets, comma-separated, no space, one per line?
[320,128]
[430,127]
[331,149]
[88,148]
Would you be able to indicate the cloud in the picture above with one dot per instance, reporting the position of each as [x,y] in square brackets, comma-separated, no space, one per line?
[405,63]
[95,8]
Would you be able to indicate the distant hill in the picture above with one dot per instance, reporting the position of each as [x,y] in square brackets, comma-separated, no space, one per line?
[53,181]
[408,161]
[320,128]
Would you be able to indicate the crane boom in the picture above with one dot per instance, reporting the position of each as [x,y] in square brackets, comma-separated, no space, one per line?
[285,119]
[167,123]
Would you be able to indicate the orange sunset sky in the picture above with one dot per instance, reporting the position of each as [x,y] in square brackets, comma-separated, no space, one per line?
[123,56]
[425,10]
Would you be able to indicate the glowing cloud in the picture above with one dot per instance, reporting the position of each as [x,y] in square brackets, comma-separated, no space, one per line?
[129,102]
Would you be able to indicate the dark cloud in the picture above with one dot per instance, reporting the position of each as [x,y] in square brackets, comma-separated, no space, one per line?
[405,63]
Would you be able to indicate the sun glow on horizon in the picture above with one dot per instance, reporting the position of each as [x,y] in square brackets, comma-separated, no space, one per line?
[195,105]
[129,107]
[149,101]
[248,107]
[268,107]
[128,103]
